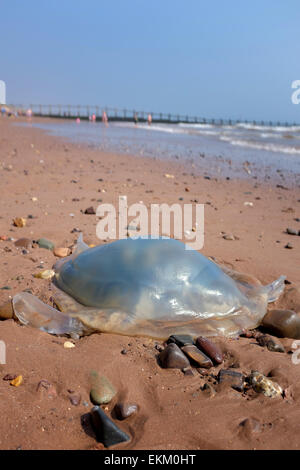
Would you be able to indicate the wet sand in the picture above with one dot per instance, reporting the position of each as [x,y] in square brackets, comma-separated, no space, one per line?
[174,413]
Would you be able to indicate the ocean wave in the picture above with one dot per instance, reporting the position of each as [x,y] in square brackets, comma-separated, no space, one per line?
[154,127]
[196,126]
[261,146]
[268,135]
[175,129]
[257,127]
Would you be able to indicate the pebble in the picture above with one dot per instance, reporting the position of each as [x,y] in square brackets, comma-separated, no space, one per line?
[229,237]
[235,379]
[90,210]
[24,243]
[19,222]
[44,243]
[197,356]
[105,429]
[266,340]
[210,349]
[6,310]
[69,345]
[292,231]
[124,410]
[102,391]
[46,274]
[282,323]
[249,426]
[61,252]
[262,384]
[45,386]
[188,371]
[10,377]
[180,340]
[209,390]
[75,399]
[17,381]
[289,246]
[173,358]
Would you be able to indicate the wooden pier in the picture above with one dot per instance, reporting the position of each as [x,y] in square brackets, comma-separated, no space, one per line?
[84,112]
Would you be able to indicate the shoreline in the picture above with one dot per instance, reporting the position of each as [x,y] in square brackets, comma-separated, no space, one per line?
[50,178]
[262,167]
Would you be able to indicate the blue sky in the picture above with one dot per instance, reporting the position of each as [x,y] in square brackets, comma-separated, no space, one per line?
[229,59]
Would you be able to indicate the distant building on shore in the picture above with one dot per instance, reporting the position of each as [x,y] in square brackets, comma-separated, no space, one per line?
[2,92]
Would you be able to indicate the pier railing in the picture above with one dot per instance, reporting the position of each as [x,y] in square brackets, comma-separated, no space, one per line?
[116,114]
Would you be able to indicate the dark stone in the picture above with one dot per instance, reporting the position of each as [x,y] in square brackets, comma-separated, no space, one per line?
[197,356]
[282,323]
[10,377]
[124,410]
[173,358]
[105,429]
[272,345]
[24,243]
[210,349]
[90,210]
[289,246]
[235,379]
[188,372]
[180,340]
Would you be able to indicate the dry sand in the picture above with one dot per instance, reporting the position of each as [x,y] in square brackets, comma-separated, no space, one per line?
[174,413]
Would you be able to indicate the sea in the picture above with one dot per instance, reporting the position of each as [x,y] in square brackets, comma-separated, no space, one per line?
[242,150]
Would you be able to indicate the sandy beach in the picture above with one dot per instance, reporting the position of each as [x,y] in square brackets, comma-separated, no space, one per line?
[51,182]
